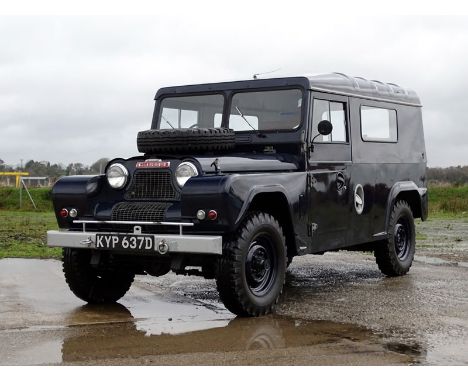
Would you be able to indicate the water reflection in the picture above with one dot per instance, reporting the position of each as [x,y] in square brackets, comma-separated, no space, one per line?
[111,332]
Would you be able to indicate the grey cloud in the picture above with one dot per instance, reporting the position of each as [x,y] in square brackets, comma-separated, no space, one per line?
[80,88]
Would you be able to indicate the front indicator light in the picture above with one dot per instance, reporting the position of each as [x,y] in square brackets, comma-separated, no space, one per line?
[201,215]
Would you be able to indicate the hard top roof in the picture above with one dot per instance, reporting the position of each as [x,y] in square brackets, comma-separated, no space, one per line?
[336,83]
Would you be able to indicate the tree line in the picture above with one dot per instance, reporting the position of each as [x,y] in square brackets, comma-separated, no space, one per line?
[56,170]
[456,175]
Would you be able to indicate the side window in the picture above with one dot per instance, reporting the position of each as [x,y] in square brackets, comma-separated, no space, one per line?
[378,124]
[332,111]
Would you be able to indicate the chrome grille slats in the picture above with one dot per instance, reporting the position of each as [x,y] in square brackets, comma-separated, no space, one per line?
[152,184]
[139,211]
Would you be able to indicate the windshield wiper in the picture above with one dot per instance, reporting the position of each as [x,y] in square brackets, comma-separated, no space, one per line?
[245,119]
[170,124]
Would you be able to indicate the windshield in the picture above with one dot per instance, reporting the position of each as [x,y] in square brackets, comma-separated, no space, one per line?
[266,110]
[250,111]
[191,112]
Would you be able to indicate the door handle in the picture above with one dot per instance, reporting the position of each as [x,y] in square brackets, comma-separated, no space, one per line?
[340,182]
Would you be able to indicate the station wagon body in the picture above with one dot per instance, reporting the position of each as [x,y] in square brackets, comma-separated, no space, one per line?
[352,187]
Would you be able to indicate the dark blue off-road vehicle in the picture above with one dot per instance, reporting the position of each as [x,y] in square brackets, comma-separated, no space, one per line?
[237,178]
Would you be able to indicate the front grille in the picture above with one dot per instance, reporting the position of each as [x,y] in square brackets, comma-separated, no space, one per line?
[148,184]
[134,211]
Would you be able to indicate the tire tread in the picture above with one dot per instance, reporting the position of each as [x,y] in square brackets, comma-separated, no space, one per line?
[229,280]
[385,256]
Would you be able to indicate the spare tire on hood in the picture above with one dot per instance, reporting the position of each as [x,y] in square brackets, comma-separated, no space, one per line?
[185,140]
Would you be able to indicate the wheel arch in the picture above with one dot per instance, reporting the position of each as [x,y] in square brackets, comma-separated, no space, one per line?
[274,202]
[415,196]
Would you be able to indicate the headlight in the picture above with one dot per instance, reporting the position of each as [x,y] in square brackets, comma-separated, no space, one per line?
[184,172]
[117,175]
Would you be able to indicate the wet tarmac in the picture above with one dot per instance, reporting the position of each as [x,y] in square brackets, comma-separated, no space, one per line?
[337,309]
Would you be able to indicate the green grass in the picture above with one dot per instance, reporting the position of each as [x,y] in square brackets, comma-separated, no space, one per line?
[23,234]
[23,231]
[448,201]
[10,199]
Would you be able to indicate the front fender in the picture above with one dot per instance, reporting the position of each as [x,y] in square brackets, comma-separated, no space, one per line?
[232,195]
[254,191]
[73,192]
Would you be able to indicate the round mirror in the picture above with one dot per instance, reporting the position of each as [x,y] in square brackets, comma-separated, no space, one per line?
[325,127]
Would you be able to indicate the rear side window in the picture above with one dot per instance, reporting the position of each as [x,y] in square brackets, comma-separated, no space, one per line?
[378,124]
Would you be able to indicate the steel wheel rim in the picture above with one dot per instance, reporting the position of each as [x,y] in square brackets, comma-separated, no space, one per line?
[261,265]
[402,238]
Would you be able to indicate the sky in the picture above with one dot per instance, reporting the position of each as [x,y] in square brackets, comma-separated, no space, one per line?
[78,88]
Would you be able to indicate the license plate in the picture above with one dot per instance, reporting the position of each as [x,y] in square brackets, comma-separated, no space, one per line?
[125,242]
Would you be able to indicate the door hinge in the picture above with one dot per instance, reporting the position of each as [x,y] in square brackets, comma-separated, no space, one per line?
[311,180]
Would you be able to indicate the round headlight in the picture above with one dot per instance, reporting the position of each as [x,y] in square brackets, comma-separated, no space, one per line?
[117,175]
[184,172]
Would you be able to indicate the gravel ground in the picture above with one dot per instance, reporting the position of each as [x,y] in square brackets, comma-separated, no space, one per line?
[337,309]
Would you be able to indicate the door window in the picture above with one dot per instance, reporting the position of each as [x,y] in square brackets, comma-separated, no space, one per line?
[335,112]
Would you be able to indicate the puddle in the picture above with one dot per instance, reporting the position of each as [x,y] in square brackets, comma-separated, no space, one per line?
[438,261]
[132,338]
[113,335]
[180,321]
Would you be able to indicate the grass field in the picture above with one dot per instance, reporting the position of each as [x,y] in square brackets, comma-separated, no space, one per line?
[448,201]
[23,232]
[10,199]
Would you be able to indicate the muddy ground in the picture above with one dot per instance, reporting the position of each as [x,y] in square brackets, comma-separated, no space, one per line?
[337,309]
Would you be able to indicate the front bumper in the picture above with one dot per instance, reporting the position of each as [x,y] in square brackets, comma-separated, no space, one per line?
[196,244]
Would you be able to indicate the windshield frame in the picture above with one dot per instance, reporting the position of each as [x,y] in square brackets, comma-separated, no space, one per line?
[228,94]
[155,123]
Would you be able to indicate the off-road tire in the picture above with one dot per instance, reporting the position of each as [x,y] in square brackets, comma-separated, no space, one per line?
[92,285]
[233,279]
[185,140]
[390,260]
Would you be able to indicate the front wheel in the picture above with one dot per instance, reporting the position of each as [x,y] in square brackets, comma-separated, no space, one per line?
[251,273]
[94,285]
[395,255]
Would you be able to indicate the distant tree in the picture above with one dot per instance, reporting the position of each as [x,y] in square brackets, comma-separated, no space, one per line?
[56,170]
[454,175]
[36,168]
[99,166]
[77,169]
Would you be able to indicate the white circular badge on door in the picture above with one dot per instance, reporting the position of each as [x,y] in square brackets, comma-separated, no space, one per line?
[359,199]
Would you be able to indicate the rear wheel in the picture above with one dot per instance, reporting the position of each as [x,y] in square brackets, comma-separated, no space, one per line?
[96,285]
[395,255]
[251,272]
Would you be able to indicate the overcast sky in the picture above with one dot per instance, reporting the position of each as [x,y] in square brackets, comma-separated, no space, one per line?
[74,89]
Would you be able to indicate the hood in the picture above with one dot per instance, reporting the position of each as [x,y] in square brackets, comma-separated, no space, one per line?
[251,163]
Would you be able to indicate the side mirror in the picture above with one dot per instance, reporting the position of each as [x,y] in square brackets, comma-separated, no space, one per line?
[325,127]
